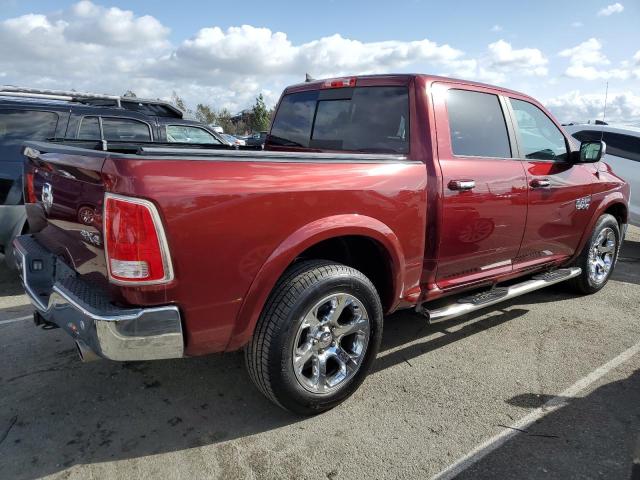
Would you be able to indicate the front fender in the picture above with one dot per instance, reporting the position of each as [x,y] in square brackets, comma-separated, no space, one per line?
[299,241]
[601,206]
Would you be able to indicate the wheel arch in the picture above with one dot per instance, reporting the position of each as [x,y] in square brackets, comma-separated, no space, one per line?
[613,203]
[334,238]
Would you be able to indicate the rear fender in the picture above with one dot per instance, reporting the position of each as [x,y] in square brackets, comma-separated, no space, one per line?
[298,242]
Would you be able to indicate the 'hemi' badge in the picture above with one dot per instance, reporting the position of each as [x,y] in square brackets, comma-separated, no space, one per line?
[583,203]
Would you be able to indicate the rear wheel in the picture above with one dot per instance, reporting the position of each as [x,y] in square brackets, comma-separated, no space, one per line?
[86,215]
[599,256]
[316,338]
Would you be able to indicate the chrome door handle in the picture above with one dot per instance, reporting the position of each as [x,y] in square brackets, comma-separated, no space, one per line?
[540,183]
[461,185]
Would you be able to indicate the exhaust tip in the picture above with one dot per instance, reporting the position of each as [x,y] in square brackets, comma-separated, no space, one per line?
[85,353]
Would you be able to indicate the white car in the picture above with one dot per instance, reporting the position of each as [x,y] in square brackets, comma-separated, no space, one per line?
[623,155]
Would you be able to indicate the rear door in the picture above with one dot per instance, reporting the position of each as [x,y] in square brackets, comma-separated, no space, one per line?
[484,187]
[559,191]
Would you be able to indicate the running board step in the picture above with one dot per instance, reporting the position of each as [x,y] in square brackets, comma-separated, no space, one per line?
[484,299]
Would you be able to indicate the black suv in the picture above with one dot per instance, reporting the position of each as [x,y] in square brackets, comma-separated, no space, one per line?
[27,114]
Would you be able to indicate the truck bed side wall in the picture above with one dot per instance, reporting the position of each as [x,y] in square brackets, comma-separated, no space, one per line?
[225,219]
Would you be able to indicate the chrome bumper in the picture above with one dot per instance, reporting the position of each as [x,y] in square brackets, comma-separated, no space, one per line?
[85,313]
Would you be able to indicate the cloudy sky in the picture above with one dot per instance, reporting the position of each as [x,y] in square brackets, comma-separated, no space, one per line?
[224,54]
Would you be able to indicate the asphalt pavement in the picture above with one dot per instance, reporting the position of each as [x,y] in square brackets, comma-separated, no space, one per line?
[544,386]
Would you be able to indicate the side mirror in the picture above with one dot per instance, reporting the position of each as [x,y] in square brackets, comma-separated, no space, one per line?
[592,152]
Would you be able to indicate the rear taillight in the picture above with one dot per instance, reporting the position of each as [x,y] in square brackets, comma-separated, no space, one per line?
[30,188]
[135,244]
[339,83]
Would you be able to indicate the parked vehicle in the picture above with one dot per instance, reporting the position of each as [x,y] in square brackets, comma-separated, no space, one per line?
[30,114]
[623,155]
[257,139]
[373,194]
[233,140]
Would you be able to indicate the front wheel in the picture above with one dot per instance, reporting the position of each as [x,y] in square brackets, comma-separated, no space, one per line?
[599,256]
[316,338]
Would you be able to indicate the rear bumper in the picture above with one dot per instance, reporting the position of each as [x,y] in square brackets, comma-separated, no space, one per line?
[86,314]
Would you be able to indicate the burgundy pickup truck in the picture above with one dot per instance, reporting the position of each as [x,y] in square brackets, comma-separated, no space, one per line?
[373,194]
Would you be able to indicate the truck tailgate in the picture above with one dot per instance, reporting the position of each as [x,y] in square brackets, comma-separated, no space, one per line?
[64,195]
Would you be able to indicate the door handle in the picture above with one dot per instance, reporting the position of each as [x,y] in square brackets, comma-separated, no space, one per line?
[461,185]
[540,183]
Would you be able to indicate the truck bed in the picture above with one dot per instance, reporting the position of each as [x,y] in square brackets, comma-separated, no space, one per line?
[227,214]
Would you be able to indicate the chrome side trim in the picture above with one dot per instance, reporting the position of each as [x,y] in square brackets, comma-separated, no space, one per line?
[457,309]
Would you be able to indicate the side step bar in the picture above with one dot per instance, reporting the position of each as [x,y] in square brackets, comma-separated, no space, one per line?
[484,299]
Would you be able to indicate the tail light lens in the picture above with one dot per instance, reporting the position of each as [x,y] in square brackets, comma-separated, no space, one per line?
[30,190]
[135,244]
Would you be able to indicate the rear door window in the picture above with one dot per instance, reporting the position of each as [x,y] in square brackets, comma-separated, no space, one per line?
[89,129]
[361,119]
[19,125]
[125,129]
[189,134]
[477,125]
[540,139]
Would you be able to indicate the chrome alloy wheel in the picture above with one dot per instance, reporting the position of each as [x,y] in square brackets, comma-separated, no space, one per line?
[601,255]
[331,343]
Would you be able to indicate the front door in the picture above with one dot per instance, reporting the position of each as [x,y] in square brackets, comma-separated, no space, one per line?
[559,191]
[484,186]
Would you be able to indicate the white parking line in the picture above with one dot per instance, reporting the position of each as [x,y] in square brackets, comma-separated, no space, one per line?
[14,320]
[559,401]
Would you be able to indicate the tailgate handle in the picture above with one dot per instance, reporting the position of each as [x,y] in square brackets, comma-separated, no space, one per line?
[461,185]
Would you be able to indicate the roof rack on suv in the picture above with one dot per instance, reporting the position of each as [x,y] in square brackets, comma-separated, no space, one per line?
[148,106]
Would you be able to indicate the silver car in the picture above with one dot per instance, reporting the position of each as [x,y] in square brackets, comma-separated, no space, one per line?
[623,155]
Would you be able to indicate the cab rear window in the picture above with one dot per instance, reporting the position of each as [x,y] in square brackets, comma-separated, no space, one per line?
[360,119]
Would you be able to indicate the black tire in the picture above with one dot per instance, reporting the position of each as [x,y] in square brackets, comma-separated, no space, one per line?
[269,355]
[585,282]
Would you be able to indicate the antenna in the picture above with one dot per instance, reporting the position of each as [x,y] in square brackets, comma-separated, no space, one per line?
[604,110]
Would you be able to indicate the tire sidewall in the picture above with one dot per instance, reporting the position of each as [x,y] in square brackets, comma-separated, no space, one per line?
[286,386]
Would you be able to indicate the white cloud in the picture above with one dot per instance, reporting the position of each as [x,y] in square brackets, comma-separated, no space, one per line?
[496,28]
[249,49]
[622,107]
[91,47]
[504,58]
[95,48]
[611,9]
[586,59]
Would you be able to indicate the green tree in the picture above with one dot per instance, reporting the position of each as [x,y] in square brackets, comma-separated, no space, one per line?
[260,115]
[224,120]
[178,101]
[206,114]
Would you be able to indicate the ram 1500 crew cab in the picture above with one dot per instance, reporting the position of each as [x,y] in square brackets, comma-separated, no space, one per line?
[373,194]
